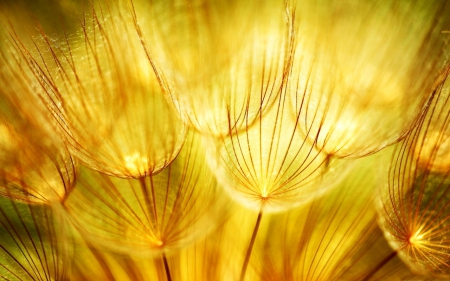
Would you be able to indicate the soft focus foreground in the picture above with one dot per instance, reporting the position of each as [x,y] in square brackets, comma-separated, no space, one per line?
[223,140]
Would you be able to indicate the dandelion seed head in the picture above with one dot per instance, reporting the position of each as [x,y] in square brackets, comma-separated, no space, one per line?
[417,225]
[225,68]
[271,166]
[230,88]
[264,192]
[111,97]
[415,213]
[348,78]
[152,213]
[33,171]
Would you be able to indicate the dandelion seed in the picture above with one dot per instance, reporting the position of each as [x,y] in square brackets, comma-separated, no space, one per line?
[226,83]
[360,92]
[109,95]
[335,237]
[35,165]
[152,215]
[271,166]
[414,205]
[283,88]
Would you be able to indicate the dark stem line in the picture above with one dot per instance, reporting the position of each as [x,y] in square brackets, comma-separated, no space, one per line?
[250,246]
[148,205]
[166,267]
[379,266]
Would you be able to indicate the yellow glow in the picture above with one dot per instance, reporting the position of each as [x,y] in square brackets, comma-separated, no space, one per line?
[238,85]
[417,238]
[119,120]
[271,166]
[365,79]
[282,89]
[435,152]
[153,213]
[136,163]
[32,171]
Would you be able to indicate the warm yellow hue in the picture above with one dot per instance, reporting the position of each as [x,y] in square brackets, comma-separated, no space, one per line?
[152,214]
[107,96]
[414,208]
[203,140]
[435,152]
[32,173]
[417,239]
[230,87]
[35,165]
[271,166]
[359,82]
[433,149]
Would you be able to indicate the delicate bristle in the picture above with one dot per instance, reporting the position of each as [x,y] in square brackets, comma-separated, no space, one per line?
[220,140]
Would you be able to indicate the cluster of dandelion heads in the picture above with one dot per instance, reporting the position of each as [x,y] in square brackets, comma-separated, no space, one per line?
[31,244]
[414,203]
[220,82]
[149,215]
[106,95]
[363,71]
[205,140]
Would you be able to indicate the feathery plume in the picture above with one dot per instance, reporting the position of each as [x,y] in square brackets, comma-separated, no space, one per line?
[415,202]
[106,94]
[226,60]
[363,71]
[151,215]
[35,164]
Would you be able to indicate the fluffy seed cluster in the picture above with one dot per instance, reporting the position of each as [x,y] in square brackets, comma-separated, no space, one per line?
[224,140]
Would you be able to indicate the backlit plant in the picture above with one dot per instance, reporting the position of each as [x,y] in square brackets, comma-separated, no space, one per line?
[141,140]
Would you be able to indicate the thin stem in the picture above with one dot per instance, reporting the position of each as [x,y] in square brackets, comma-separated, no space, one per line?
[166,267]
[250,246]
[379,266]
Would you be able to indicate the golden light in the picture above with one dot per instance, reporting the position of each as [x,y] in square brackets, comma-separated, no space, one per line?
[271,166]
[222,85]
[35,164]
[152,215]
[107,97]
[415,202]
[224,140]
[360,92]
